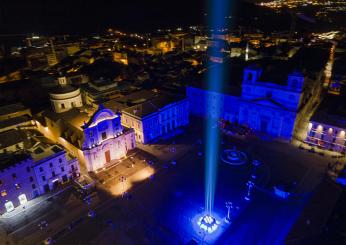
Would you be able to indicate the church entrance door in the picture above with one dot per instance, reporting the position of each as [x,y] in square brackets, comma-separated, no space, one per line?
[108,156]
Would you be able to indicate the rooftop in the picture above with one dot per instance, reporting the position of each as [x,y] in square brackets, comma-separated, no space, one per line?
[63,89]
[12,137]
[14,121]
[7,160]
[12,108]
[136,97]
[98,89]
[149,107]
[232,71]
[44,150]
[308,60]
[76,116]
[332,110]
[114,105]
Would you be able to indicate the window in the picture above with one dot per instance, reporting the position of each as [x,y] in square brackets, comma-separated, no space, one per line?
[28,169]
[62,106]
[72,167]
[3,193]
[33,186]
[0,182]
[22,199]
[62,169]
[50,164]
[41,169]
[9,206]
[44,178]
[53,174]
[104,135]
[249,76]
[60,160]
[14,176]
[17,186]
[91,133]
[31,179]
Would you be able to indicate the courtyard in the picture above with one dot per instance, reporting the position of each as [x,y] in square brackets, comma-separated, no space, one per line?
[162,208]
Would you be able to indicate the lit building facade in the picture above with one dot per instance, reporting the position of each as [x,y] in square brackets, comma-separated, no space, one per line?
[17,181]
[25,175]
[157,117]
[53,166]
[105,139]
[326,136]
[266,107]
[327,126]
[270,108]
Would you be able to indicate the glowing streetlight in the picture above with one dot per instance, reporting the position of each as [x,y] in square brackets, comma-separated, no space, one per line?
[229,206]
[250,184]
[122,179]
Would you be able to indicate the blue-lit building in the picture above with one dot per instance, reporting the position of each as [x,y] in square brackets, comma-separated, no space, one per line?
[33,171]
[269,96]
[157,117]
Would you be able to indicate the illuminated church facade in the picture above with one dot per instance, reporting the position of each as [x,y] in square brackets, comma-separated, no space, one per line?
[270,108]
[105,139]
[95,136]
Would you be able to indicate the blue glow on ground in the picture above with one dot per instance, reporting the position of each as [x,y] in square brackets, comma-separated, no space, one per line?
[214,80]
[208,223]
[212,234]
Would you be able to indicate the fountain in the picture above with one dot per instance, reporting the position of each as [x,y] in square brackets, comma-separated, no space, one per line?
[233,156]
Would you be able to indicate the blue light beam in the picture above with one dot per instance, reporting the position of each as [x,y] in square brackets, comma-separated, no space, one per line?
[218,10]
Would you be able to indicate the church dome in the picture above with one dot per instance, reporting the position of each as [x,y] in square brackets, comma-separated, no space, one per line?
[65,97]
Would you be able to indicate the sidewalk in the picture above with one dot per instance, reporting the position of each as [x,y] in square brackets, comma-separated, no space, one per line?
[32,203]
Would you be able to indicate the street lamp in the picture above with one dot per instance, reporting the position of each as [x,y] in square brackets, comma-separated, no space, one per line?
[230,207]
[250,184]
[122,179]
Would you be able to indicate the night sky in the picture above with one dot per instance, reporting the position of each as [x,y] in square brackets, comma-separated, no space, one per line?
[95,16]
[86,16]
